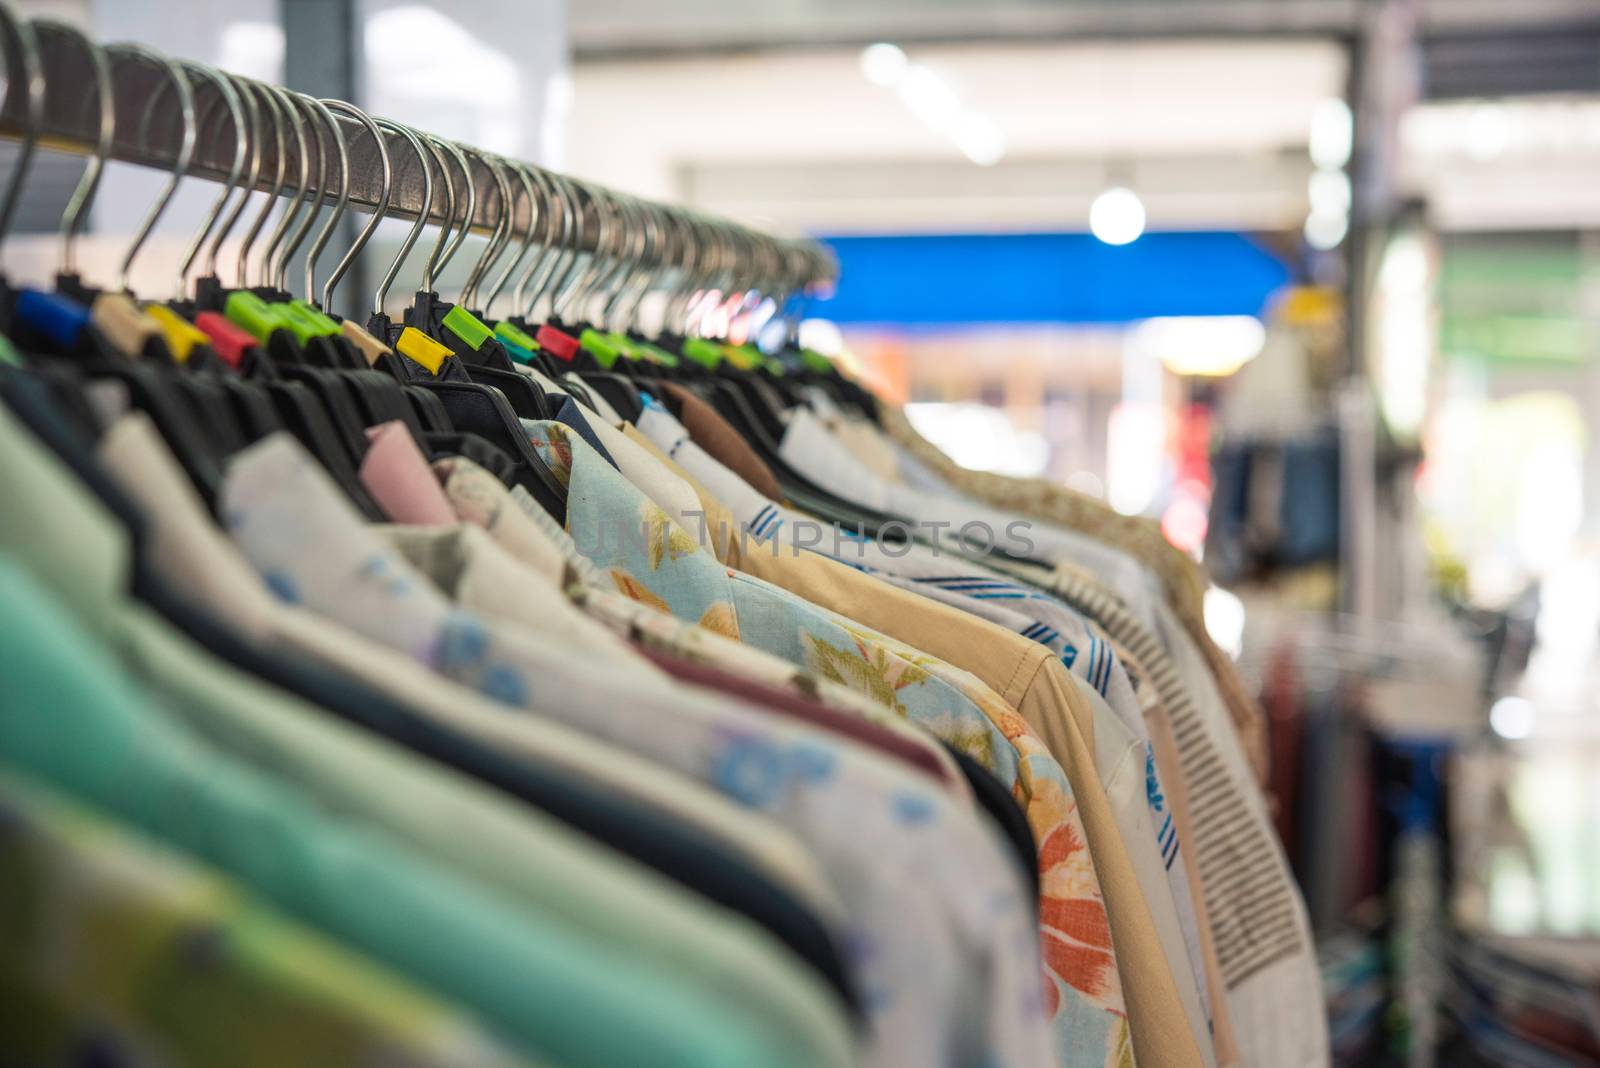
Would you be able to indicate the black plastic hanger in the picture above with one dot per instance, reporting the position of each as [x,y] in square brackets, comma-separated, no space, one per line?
[484,411]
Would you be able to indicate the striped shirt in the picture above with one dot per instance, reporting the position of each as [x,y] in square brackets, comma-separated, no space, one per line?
[1256,913]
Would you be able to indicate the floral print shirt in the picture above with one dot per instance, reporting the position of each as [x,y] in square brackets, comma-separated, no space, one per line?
[521,527]
[940,934]
[1083,990]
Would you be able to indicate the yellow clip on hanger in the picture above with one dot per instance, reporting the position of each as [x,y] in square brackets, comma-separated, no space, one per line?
[181,335]
[419,347]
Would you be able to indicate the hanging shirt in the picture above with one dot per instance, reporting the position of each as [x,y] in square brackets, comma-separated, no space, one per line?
[281,993]
[187,550]
[924,916]
[767,540]
[812,450]
[396,474]
[84,728]
[465,564]
[1164,746]
[1025,609]
[527,532]
[925,467]
[1263,940]
[207,769]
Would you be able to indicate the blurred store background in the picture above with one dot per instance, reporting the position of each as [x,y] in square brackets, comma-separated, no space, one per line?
[1314,284]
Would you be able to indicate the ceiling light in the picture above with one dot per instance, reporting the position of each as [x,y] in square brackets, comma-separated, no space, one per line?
[1201,344]
[1329,192]
[979,139]
[1332,133]
[929,96]
[1324,232]
[934,102]
[1117,216]
[882,63]
[1512,718]
[1488,132]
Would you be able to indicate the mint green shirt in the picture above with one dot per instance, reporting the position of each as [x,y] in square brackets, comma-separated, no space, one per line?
[104,933]
[573,954]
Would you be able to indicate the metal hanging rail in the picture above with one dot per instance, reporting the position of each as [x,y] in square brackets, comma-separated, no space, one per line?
[149,127]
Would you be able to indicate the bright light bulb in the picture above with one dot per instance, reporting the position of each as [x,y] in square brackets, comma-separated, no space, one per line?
[1324,232]
[1512,718]
[1332,133]
[1329,192]
[979,139]
[883,63]
[1488,132]
[1215,345]
[1117,216]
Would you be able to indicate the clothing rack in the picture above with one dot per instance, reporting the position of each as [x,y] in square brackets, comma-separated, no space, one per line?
[149,126]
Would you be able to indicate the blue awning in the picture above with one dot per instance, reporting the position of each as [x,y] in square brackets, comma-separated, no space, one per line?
[973,279]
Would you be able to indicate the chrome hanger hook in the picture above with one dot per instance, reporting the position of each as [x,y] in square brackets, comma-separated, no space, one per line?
[83,195]
[566,267]
[31,79]
[247,95]
[640,244]
[422,214]
[342,157]
[558,231]
[297,125]
[498,238]
[229,95]
[469,209]
[340,107]
[270,95]
[574,292]
[651,261]
[526,176]
[431,143]
[180,85]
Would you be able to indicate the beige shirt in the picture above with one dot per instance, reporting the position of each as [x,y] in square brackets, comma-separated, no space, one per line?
[1028,678]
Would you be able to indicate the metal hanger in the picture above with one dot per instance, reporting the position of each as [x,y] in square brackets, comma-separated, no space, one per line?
[649,271]
[572,296]
[617,261]
[340,156]
[311,163]
[639,270]
[469,209]
[433,145]
[422,215]
[562,278]
[229,96]
[254,138]
[622,257]
[31,80]
[274,100]
[290,114]
[340,107]
[83,194]
[534,283]
[499,238]
[179,82]
[682,286]
[526,177]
